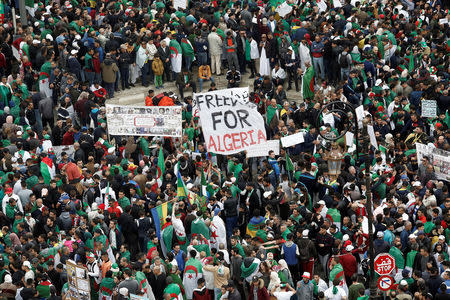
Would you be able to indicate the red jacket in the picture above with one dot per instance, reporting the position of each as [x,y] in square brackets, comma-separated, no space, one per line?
[349,264]
[201,294]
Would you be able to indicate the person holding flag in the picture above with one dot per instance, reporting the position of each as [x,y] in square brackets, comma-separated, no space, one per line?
[192,272]
[178,227]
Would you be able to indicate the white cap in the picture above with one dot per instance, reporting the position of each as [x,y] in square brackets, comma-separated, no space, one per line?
[267,194]
[380,234]
[111,150]
[73,52]
[416,183]
[441,237]
[305,233]
[35,42]
[19,132]
[78,37]
[189,186]
[49,37]
[123,291]
[306,275]
[403,282]
[27,264]
[8,278]
[345,237]
[321,202]
[44,192]
[378,82]
[349,248]
[412,236]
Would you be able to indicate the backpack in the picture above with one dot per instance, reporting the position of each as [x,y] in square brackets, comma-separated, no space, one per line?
[343,61]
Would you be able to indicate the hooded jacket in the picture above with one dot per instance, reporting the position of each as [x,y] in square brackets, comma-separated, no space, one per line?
[262,292]
[109,69]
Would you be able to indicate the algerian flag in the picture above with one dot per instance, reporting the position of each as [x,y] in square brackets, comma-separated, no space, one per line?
[166,240]
[289,164]
[334,216]
[308,83]
[192,272]
[249,267]
[47,169]
[338,272]
[144,285]
[218,232]
[105,144]
[204,185]
[174,291]
[198,227]
[2,11]
[161,168]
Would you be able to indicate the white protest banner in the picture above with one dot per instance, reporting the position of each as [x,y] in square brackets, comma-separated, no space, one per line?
[349,138]
[373,138]
[264,148]
[144,120]
[283,9]
[179,3]
[229,124]
[359,112]
[429,108]
[440,159]
[293,139]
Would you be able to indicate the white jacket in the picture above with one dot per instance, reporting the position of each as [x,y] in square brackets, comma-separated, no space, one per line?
[215,44]
[141,57]
[254,51]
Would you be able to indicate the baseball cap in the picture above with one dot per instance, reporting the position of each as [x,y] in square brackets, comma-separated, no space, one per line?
[9,190]
[306,275]
[27,264]
[380,234]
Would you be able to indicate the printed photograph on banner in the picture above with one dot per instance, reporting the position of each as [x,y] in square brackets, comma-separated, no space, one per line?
[230,125]
[144,121]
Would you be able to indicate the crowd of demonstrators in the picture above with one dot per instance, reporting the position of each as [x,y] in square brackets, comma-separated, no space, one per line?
[275,227]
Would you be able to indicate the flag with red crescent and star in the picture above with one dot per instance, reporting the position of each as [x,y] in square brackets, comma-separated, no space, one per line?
[192,272]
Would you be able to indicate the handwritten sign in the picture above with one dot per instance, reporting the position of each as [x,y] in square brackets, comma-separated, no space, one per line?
[179,4]
[429,108]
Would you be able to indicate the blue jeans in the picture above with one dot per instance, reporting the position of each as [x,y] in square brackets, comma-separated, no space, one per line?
[188,62]
[230,223]
[202,58]
[109,87]
[200,82]
[144,71]
[318,63]
[89,77]
[345,73]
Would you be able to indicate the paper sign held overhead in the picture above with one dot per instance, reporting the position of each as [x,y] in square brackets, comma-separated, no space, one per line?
[292,139]
[263,149]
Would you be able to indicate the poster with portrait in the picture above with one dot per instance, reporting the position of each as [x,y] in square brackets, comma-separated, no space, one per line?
[144,120]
